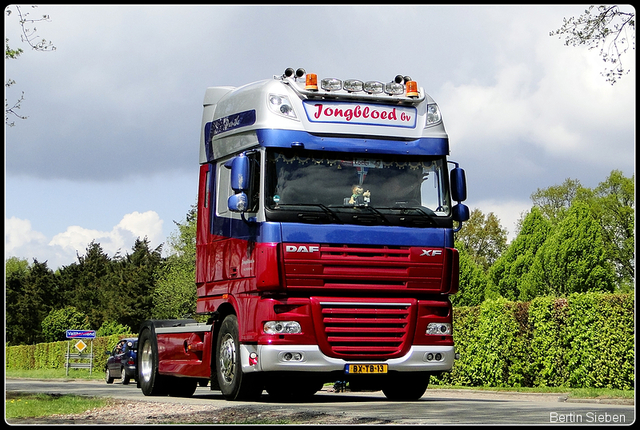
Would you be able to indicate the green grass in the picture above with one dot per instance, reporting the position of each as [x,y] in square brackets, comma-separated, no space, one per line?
[25,405]
[54,374]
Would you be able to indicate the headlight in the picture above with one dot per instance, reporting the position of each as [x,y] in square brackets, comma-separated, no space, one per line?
[439,328]
[281,105]
[282,327]
[433,114]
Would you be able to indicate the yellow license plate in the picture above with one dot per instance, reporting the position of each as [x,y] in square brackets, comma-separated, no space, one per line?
[365,368]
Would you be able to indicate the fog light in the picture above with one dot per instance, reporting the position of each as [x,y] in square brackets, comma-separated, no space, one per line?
[292,356]
[439,328]
[282,327]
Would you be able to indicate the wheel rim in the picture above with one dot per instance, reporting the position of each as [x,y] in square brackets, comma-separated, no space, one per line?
[227,358]
[107,375]
[123,376]
[146,361]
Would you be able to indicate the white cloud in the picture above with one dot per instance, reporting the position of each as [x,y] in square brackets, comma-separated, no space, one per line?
[18,233]
[24,242]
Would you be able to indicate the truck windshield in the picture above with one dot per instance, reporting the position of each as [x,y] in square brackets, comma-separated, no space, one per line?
[325,186]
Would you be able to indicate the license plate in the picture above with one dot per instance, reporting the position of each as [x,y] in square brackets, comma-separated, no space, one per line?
[365,368]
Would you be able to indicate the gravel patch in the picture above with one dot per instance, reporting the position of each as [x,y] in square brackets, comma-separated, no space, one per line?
[127,412]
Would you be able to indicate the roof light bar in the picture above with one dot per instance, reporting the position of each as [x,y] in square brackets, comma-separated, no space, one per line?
[401,85]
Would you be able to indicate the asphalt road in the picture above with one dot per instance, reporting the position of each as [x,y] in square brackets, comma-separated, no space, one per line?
[437,406]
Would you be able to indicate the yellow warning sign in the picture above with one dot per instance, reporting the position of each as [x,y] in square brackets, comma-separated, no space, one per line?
[81,345]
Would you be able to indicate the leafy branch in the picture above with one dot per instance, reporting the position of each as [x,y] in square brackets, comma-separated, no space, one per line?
[607,30]
[29,36]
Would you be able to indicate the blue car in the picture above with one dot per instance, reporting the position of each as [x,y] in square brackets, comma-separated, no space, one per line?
[121,363]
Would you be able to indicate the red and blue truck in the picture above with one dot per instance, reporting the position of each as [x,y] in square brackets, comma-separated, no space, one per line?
[325,243]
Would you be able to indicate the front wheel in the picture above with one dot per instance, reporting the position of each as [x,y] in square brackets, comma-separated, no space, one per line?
[151,382]
[406,387]
[107,377]
[234,384]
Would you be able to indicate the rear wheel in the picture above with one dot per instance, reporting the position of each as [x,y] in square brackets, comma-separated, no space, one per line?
[124,378]
[406,387]
[151,382]
[234,384]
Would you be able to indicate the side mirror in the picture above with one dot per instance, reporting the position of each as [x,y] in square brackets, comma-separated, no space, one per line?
[458,185]
[239,172]
[238,202]
[460,212]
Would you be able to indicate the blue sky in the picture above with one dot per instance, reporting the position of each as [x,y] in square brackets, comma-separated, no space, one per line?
[109,151]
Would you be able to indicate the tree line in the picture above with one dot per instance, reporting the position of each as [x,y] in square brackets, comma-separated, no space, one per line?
[573,240]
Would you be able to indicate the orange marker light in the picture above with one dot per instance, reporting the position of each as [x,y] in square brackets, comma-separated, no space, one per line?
[412,89]
[311,82]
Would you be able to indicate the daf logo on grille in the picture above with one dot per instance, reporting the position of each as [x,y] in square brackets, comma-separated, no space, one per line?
[430,252]
[302,248]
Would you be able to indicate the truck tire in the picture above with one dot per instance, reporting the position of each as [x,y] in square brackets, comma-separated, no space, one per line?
[151,382]
[406,387]
[182,387]
[292,387]
[234,384]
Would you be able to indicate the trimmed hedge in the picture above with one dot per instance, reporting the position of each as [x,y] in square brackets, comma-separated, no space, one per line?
[52,355]
[583,341]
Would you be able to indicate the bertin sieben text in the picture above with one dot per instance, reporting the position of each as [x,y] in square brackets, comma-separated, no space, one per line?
[591,417]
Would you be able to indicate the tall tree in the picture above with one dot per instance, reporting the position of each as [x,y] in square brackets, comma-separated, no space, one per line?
[506,276]
[483,238]
[30,297]
[130,300]
[613,205]
[87,281]
[608,28]
[554,201]
[175,295]
[572,259]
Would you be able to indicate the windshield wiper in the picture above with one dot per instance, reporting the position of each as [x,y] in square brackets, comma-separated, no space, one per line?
[311,216]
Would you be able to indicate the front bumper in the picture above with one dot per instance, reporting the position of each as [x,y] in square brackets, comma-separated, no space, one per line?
[278,358]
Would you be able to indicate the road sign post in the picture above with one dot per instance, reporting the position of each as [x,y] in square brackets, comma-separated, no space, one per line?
[80,346]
